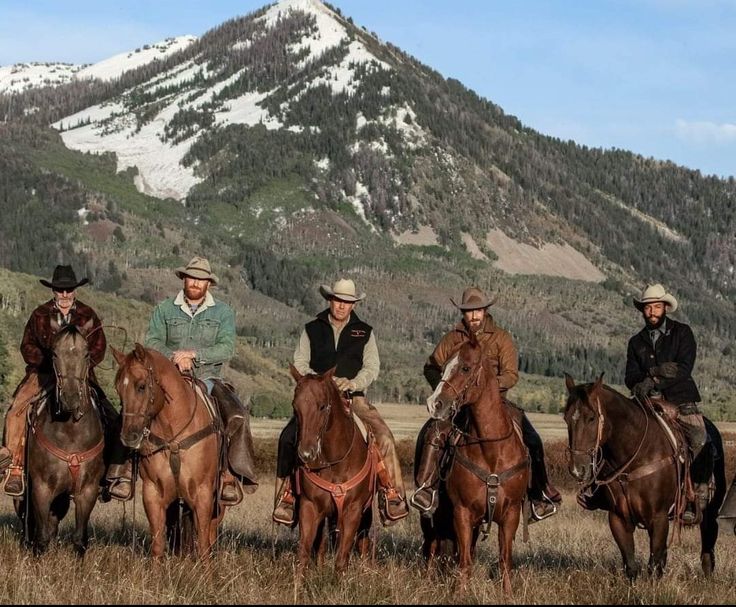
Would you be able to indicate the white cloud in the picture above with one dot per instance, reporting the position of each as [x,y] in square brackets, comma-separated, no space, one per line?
[705,132]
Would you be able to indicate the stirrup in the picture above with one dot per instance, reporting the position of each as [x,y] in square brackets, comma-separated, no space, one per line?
[238,494]
[15,472]
[426,510]
[535,516]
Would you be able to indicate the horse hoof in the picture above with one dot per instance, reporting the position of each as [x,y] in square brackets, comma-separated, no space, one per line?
[708,563]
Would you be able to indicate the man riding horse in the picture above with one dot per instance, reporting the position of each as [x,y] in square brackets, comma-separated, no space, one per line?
[36,347]
[197,333]
[338,338]
[500,352]
[659,366]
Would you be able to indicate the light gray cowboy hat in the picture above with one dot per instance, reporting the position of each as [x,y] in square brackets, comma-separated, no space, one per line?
[343,289]
[653,294]
[198,267]
[473,299]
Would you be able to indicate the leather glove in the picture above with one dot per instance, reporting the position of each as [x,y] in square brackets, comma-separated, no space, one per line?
[344,384]
[665,370]
[643,388]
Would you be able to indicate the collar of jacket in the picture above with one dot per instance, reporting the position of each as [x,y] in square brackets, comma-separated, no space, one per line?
[324,316]
[489,326]
[50,307]
[208,302]
[665,329]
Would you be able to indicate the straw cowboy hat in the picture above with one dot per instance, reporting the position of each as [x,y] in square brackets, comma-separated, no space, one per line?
[343,289]
[473,299]
[64,279]
[198,267]
[653,294]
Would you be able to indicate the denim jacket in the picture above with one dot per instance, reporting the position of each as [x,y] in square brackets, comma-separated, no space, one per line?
[210,331]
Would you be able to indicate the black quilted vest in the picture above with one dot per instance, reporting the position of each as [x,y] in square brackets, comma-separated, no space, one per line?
[348,357]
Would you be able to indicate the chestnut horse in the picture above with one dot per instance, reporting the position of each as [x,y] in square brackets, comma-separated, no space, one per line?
[180,445]
[337,474]
[65,447]
[619,450]
[490,471]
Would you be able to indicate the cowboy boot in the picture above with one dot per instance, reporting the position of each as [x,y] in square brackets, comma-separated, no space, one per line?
[430,446]
[283,511]
[230,491]
[701,470]
[543,497]
[120,481]
[392,506]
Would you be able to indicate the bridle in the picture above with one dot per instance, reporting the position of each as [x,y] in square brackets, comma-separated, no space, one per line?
[83,387]
[323,428]
[473,379]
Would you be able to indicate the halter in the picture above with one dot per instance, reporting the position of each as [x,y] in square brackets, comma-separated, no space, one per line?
[460,394]
[83,389]
[150,389]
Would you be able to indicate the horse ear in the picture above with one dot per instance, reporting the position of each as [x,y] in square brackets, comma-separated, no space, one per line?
[295,373]
[140,352]
[87,327]
[118,356]
[330,373]
[598,383]
[569,382]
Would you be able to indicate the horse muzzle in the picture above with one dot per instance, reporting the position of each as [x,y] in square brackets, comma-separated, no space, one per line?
[440,408]
[132,440]
[309,454]
[582,472]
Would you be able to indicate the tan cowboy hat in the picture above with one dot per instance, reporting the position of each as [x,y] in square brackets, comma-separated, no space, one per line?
[473,299]
[64,279]
[198,267]
[343,289]
[653,294]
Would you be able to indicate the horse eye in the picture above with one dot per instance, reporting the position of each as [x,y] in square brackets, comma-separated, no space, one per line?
[141,388]
[466,369]
[323,406]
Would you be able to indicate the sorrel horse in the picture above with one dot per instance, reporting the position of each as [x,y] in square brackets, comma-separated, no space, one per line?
[180,445]
[65,446]
[337,474]
[490,471]
[619,448]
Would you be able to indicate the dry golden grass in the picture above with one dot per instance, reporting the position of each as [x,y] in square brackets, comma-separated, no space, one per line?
[570,559]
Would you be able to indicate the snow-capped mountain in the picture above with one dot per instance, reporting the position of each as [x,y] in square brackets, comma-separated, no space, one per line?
[24,76]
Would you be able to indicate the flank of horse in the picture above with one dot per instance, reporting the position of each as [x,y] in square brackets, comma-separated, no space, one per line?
[617,445]
[490,461]
[65,447]
[336,475]
[165,419]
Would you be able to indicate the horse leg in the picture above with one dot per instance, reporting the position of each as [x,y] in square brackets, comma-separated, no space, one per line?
[464,535]
[364,529]
[41,499]
[658,532]
[156,513]
[708,537]
[506,531]
[84,501]
[348,528]
[203,510]
[623,534]
[309,524]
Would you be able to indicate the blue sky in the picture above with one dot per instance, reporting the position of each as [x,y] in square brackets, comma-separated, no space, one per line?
[657,77]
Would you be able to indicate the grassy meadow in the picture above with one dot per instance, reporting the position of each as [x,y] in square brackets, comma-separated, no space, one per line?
[570,558]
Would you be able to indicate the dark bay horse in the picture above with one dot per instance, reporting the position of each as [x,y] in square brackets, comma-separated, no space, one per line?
[65,446]
[618,447]
[180,445]
[490,471]
[337,474]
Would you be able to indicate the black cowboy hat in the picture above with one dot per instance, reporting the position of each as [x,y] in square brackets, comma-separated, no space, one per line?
[64,279]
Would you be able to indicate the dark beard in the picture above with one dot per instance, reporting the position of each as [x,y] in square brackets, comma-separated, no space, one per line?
[659,323]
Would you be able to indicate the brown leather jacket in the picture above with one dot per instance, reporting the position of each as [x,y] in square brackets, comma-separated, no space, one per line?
[498,347]
[41,327]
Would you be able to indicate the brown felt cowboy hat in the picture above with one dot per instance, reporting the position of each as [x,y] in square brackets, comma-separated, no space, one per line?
[473,299]
[198,267]
[64,279]
[343,289]
[654,294]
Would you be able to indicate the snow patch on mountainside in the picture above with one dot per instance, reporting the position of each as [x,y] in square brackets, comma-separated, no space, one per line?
[23,76]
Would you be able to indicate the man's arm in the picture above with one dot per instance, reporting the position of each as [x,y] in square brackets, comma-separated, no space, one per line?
[224,347]
[436,361]
[508,363]
[371,365]
[634,372]
[685,358]
[156,334]
[96,342]
[29,346]
[303,354]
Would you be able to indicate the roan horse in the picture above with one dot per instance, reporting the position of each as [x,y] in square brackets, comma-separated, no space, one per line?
[620,449]
[490,471]
[167,421]
[65,446]
[337,475]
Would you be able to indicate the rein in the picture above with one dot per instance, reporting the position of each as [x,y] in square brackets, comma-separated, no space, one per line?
[319,441]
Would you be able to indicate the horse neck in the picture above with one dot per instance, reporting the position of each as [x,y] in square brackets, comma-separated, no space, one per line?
[629,428]
[69,434]
[489,415]
[341,433]
[180,404]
